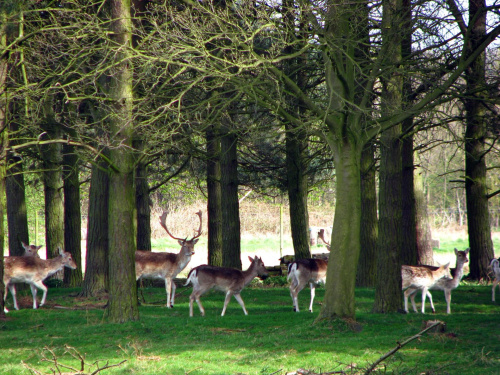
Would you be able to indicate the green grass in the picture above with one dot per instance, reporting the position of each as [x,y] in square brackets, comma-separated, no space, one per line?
[272,339]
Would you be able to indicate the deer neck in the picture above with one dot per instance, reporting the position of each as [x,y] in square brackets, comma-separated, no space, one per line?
[249,274]
[459,272]
[53,265]
[182,259]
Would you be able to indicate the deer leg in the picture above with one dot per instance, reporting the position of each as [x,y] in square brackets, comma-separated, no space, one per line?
[40,285]
[168,288]
[293,293]
[412,293]
[313,293]
[12,289]
[240,301]
[447,297]
[430,300]
[33,293]
[173,293]
[495,283]
[424,294]
[226,301]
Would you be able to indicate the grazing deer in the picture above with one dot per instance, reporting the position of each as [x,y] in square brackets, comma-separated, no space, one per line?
[166,266]
[446,284]
[303,271]
[321,236]
[229,280]
[33,270]
[495,265]
[421,278]
[31,250]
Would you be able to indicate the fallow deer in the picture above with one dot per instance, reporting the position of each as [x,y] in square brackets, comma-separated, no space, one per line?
[303,271]
[446,284]
[31,250]
[229,280]
[166,266]
[421,278]
[33,270]
[495,266]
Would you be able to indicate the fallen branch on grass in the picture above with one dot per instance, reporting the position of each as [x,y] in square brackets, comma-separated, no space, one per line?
[399,346]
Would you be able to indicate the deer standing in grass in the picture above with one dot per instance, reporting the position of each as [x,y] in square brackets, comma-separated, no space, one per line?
[495,266]
[304,271]
[166,266]
[421,278]
[33,270]
[229,280]
[446,284]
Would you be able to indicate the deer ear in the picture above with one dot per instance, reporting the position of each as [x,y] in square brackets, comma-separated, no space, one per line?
[181,242]
[24,245]
[251,259]
[61,252]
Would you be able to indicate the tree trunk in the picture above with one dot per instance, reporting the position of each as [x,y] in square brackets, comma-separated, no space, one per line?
[409,252]
[388,294]
[97,270]
[214,201]
[122,303]
[3,147]
[424,235]
[72,216]
[366,271]
[231,240]
[478,218]
[296,149]
[344,255]
[142,205]
[53,189]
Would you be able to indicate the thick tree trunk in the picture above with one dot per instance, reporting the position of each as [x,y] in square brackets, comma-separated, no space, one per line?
[142,206]
[72,216]
[409,252]
[122,303]
[388,294]
[476,189]
[344,255]
[17,215]
[424,235]
[365,275]
[231,240]
[296,148]
[214,201]
[97,270]
[53,189]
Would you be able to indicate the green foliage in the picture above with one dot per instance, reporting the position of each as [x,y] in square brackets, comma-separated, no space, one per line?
[271,339]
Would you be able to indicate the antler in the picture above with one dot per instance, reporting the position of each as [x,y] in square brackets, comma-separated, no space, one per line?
[199,229]
[321,235]
[164,225]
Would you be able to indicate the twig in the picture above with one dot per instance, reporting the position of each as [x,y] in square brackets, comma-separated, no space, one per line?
[399,346]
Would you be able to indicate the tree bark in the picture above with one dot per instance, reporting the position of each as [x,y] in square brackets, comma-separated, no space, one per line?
[214,201]
[142,205]
[231,240]
[478,218]
[366,271]
[97,269]
[72,216]
[122,303]
[388,294]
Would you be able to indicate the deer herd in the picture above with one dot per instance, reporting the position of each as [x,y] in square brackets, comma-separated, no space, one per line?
[31,269]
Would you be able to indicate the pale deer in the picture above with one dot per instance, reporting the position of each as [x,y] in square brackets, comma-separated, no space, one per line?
[229,280]
[421,278]
[31,250]
[166,266]
[495,266]
[33,270]
[446,284]
[303,271]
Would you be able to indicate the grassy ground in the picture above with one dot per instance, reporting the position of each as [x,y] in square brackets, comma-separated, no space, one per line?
[272,339]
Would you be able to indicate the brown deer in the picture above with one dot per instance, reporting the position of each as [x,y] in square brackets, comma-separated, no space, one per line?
[33,270]
[446,284]
[166,266]
[495,266]
[229,280]
[31,250]
[303,271]
[421,278]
